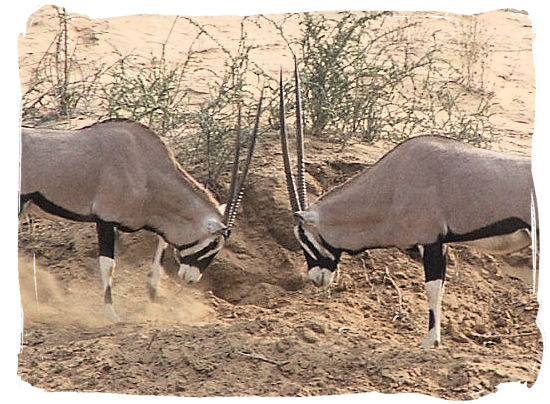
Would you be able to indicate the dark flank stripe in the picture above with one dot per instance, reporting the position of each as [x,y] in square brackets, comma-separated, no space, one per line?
[38,199]
[502,227]
[46,205]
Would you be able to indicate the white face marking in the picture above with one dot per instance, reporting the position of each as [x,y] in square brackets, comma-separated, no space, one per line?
[304,245]
[321,276]
[189,274]
[213,251]
[322,250]
[326,253]
[196,248]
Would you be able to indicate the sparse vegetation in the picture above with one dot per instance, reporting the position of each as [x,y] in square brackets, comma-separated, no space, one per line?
[364,81]
[61,84]
[361,81]
[211,127]
[150,91]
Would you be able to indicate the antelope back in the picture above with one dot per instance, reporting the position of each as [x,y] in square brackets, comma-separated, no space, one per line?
[424,188]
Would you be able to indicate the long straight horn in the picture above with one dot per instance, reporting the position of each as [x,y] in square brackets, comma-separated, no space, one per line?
[239,189]
[284,145]
[301,177]
[234,171]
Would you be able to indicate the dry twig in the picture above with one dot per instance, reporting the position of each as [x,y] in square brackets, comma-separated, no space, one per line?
[261,358]
[399,295]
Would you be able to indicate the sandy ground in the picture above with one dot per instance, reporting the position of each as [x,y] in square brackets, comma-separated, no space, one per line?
[254,325]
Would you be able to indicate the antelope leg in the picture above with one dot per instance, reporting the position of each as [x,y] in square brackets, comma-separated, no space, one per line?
[156,268]
[434,257]
[106,238]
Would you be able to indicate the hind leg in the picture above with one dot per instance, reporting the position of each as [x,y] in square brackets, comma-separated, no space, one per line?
[24,202]
[434,257]
[106,238]
[156,268]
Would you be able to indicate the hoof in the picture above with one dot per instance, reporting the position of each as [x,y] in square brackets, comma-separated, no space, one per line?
[152,293]
[429,343]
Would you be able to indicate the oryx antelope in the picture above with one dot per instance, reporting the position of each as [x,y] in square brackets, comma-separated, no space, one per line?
[120,175]
[426,192]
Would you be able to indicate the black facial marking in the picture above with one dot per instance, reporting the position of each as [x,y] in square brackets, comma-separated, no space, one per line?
[193,259]
[319,260]
[186,246]
[305,240]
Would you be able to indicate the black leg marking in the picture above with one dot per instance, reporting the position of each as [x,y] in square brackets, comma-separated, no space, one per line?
[435,262]
[108,299]
[431,322]
[106,239]
[506,226]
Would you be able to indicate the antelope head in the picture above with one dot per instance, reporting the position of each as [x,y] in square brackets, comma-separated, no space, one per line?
[322,259]
[194,258]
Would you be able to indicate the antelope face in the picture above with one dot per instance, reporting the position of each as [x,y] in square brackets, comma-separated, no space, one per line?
[194,258]
[322,260]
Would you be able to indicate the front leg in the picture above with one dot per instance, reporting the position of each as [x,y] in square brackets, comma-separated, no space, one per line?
[434,257]
[106,239]
[156,269]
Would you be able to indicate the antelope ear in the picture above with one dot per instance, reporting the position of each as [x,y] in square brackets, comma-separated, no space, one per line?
[222,208]
[307,217]
[214,226]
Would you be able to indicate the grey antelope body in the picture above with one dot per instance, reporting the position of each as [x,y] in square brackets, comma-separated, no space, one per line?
[426,192]
[120,175]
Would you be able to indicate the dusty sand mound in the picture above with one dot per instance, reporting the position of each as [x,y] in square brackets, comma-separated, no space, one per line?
[47,300]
